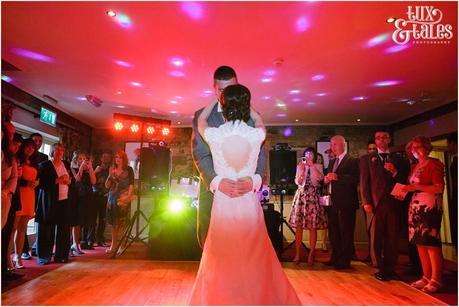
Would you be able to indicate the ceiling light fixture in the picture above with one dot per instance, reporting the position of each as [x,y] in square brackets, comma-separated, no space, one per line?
[390,20]
[111,13]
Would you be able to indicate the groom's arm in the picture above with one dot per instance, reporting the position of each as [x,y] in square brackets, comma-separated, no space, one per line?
[202,157]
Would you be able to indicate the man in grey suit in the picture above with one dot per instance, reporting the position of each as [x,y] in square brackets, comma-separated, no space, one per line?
[210,182]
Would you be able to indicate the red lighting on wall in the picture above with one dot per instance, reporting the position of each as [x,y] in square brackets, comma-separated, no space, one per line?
[118,126]
[135,128]
[165,131]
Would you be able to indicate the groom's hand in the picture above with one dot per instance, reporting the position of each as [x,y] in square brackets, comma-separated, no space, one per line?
[228,187]
[244,185]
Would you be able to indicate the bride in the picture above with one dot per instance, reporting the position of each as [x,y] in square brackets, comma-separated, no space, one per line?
[238,265]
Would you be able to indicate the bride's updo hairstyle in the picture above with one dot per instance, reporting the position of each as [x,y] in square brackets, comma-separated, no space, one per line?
[236,103]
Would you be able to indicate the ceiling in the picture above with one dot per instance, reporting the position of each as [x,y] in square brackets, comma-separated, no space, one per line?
[304,62]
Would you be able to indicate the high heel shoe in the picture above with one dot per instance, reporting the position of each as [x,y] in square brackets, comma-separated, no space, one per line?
[18,264]
[432,287]
[76,250]
[421,283]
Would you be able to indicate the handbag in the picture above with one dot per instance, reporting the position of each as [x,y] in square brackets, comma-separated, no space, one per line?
[325,197]
[124,200]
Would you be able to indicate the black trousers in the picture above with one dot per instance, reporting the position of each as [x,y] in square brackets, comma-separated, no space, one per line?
[94,231]
[6,237]
[341,226]
[57,232]
[386,234]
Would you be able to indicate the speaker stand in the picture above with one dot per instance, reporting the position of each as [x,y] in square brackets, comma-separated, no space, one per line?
[127,239]
[284,221]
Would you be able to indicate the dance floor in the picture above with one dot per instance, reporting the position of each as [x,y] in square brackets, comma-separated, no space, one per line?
[121,281]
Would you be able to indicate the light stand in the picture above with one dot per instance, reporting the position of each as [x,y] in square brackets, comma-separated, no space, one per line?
[128,238]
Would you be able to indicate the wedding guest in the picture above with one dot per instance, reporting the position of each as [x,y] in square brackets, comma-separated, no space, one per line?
[28,181]
[83,173]
[306,212]
[120,183]
[425,213]
[52,213]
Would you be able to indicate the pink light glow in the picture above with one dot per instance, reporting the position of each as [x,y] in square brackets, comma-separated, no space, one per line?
[321,94]
[177,73]
[178,62]
[387,83]
[269,72]
[281,115]
[296,99]
[359,98]
[123,20]
[302,24]
[123,63]
[396,48]
[194,10]
[136,84]
[317,77]
[32,55]
[377,40]
[293,92]
[266,80]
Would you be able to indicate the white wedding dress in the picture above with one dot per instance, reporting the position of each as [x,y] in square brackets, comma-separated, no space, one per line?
[239,265]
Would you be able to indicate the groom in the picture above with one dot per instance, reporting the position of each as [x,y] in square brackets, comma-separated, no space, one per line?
[210,182]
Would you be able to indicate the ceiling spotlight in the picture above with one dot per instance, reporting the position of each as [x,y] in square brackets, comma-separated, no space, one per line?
[111,13]
[410,102]
[358,120]
[119,92]
[390,20]
[135,128]
[296,120]
[179,123]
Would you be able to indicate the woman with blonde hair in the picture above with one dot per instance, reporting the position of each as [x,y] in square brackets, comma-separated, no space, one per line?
[425,212]
[120,183]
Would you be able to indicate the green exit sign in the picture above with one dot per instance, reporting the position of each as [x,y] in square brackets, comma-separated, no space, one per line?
[48,117]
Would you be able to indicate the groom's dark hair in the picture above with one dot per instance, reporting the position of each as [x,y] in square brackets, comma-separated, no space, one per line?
[224,73]
[236,102]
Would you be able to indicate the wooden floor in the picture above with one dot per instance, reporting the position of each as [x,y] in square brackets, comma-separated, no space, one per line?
[146,282]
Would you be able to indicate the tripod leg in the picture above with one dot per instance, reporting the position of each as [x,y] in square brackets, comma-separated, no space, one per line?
[125,237]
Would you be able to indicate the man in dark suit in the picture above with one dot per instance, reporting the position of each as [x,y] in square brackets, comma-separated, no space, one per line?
[452,206]
[379,172]
[343,175]
[202,157]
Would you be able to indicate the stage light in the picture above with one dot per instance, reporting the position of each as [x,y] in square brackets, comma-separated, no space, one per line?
[165,131]
[176,205]
[118,126]
[150,129]
[135,128]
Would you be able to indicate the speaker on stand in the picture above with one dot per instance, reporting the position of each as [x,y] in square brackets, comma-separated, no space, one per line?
[282,167]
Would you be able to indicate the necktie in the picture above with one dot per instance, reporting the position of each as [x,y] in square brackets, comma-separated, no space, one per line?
[384,156]
[335,166]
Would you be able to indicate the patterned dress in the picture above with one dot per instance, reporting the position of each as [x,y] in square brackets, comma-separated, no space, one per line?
[306,211]
[116,215]
[425,212]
